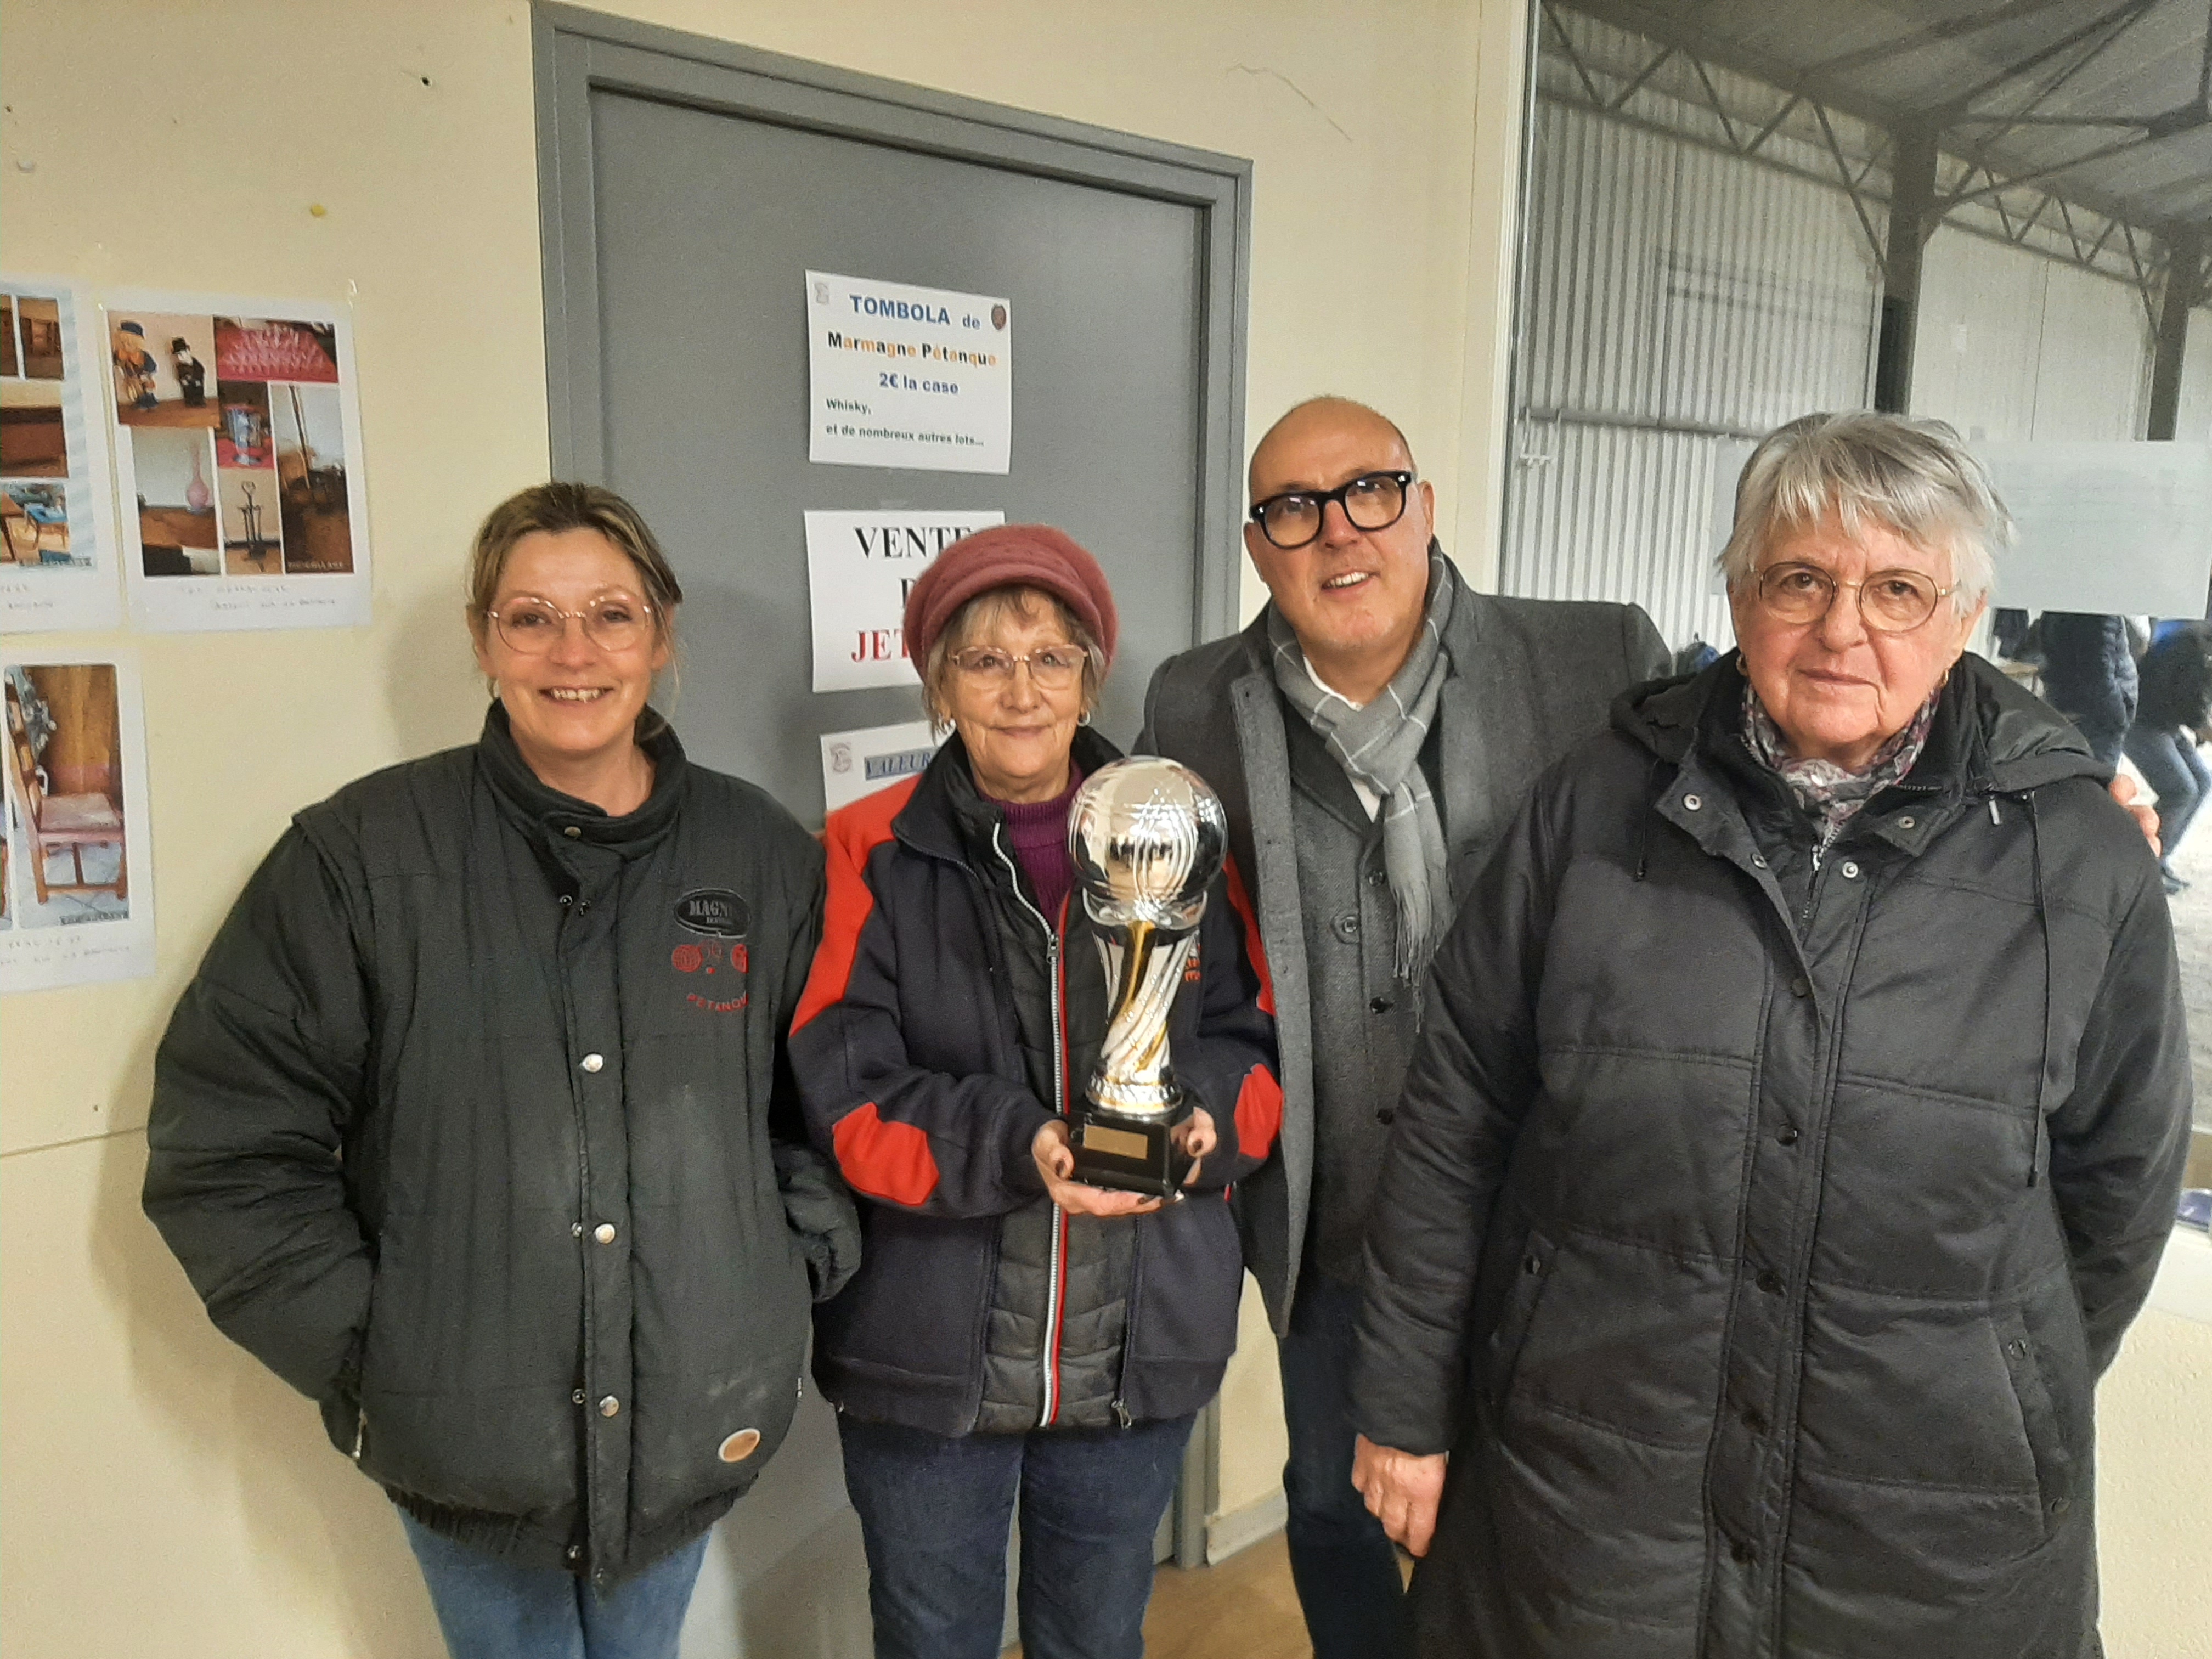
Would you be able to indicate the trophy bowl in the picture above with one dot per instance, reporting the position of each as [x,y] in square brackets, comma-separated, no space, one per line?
[1148,837]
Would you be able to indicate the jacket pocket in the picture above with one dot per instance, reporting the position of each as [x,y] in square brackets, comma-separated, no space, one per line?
[2039,1416]
[1532,1272]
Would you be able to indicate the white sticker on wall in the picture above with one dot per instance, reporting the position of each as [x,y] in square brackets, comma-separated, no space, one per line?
[858,763]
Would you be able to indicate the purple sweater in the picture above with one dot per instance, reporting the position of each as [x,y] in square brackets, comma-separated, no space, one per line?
[1039,832]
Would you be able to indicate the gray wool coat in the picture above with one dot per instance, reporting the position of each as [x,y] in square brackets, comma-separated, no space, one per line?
[1754,1228]
[1529,677]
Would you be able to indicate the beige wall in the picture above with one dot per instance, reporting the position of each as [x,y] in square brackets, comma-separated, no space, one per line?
[162,1494]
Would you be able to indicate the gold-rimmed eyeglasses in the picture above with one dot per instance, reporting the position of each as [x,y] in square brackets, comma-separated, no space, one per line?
[613,621]
[1890,601]
[1051,667]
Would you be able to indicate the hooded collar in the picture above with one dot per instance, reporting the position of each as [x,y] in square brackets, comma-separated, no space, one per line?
[1989,736]
[554,820]
[949,817]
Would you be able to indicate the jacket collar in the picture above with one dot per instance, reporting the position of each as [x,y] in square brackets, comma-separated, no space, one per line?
[948,818]
[554,821]
[1989,736]
[1463,753]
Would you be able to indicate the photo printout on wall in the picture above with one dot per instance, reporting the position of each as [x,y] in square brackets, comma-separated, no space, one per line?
[59,556]
[860,568]
[904,376]
[76,896]
[238,456]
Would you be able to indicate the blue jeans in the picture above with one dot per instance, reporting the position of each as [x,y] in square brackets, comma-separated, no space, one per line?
[935,1510]
[491,1609]
[1341,1560]
[2170,764]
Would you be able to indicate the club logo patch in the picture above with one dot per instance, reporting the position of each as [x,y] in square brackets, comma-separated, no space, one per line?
[715,910]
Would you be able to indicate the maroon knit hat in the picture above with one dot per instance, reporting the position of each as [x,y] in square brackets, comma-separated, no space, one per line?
[1011,555]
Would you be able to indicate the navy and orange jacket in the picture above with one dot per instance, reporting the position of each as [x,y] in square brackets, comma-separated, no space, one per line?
[945,1021]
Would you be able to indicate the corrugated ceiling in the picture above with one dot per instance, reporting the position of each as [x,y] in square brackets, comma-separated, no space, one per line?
[2105,102]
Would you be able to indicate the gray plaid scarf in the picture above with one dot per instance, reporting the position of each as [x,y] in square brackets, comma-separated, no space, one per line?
[1381,746]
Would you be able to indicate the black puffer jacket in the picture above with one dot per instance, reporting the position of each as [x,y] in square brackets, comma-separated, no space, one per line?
[475,1127]
[945,1023]
[1756,1254]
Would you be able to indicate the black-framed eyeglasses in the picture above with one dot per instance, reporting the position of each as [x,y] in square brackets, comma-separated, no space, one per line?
[1890,601]
[1373,500]
[613,621]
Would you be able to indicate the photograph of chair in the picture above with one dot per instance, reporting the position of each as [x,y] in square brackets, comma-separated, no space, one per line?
[80,746]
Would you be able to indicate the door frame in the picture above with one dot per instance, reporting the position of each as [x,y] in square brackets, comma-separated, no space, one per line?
[578,52]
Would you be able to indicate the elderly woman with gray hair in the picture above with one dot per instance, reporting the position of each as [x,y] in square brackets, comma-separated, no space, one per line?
[1797,1124]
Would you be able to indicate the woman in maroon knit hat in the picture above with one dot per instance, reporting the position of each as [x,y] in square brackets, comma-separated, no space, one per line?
[1011,1330]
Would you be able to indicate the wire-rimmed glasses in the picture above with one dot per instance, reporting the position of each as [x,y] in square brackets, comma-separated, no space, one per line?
[613,621]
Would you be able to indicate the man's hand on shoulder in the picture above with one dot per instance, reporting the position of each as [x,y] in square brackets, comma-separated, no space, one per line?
[1402,1490]
[2124,791]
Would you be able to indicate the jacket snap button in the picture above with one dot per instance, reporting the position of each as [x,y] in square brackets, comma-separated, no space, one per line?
[568,898]
[1379,1005]
[593,1062]
[1800,986]
[1850,870]
[1691,803]
[610,1406]
[572,833]
[604,1232]
[1529,1264]
[739,1446]
[1754,1419]
[1386,1115]
[1904,823]
[1770,1282]
[1742,1551]
[1758,860]
[1347,925]
[1788,1137]
[578,1397]
[575,1551]
[2016,1348]
[2058,1506]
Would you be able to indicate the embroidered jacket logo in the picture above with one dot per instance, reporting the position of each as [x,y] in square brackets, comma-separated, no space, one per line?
[715,910]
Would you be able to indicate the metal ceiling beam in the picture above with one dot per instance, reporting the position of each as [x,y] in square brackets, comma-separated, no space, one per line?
[2184,287]
[1948,28]
[1911,202]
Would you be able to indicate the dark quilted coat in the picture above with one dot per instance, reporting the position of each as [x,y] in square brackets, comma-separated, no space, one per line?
[476,1126]
[1755,1226]
[944,1024]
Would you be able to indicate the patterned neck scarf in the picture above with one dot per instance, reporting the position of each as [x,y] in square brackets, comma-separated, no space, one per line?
[1380,745]
[1824,789]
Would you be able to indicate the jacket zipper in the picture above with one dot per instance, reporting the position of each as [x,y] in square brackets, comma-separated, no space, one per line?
[1055,1287]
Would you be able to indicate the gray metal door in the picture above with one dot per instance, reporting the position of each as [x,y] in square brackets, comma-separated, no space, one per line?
[686,187]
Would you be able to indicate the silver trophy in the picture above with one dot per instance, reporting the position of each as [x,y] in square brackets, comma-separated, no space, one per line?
[1148,837]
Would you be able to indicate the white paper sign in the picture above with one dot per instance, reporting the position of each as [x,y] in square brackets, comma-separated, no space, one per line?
[238,462]
[57,494]
[857,763]
[77,905]
[2110,528]
[906,376]
[860,566]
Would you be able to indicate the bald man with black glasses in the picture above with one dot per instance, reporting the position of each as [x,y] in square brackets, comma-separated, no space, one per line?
[1372,734]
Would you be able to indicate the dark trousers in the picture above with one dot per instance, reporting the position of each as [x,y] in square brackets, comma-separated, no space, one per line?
[2170,764]
[1343,1563]
[935,1511]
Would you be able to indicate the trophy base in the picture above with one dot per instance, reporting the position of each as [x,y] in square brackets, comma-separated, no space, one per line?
[1130,1151]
